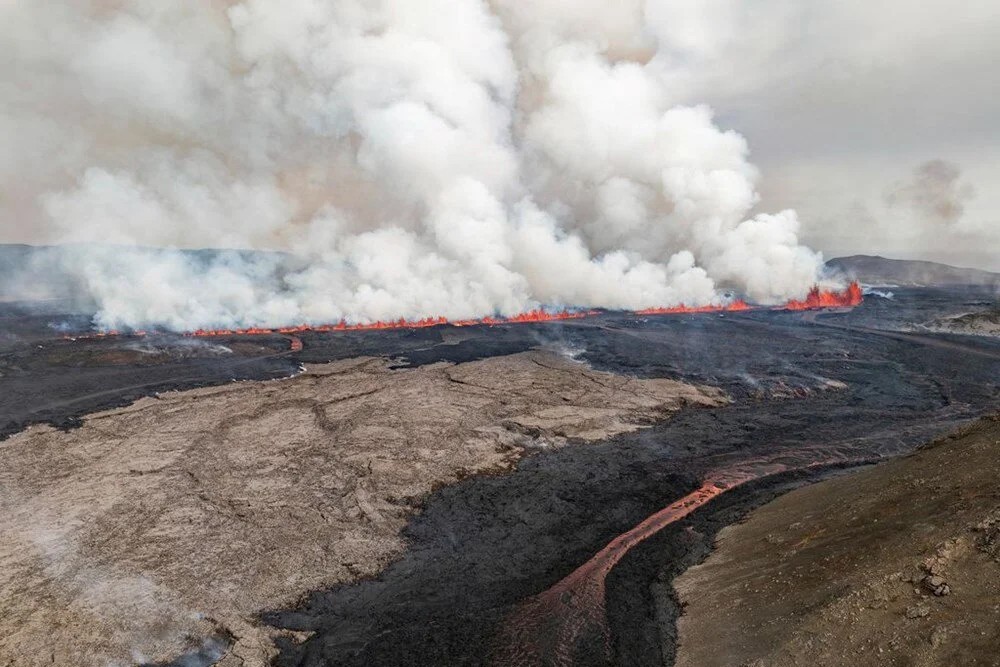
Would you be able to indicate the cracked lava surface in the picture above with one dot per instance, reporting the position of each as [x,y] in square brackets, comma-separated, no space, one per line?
[157,525]
[350,516]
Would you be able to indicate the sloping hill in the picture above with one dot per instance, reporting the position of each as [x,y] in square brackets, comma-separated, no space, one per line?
[898,564]
[875,270]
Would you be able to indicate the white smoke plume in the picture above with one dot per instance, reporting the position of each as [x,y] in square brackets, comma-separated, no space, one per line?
[442,157]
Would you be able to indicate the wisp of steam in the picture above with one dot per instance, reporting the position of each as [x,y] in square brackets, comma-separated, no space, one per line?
[454,158]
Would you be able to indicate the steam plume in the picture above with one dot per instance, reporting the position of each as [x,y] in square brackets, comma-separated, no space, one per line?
[442,157]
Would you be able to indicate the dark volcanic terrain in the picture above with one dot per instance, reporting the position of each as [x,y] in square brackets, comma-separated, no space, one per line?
[811,394]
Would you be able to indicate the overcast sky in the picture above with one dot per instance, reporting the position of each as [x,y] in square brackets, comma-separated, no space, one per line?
[845,103]
[876,119]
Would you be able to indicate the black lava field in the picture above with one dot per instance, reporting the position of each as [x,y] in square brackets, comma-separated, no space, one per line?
[813,394]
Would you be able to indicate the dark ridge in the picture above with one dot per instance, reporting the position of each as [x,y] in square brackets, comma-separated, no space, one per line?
[906,272]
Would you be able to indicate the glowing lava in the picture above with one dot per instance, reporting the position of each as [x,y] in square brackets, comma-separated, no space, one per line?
[735,306]
[531,316]
[852,296]
[551,628]
[555,627]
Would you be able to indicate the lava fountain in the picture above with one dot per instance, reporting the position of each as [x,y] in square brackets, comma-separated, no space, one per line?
[850,297]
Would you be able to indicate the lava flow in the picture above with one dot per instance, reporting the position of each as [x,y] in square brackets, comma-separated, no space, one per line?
[549,628]
[735,306]
[569,619]
[531,316]
[852,296]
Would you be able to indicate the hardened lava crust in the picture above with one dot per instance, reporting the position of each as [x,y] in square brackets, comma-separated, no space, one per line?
[439,496]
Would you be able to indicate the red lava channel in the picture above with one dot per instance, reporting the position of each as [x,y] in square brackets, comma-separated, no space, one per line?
[555,626]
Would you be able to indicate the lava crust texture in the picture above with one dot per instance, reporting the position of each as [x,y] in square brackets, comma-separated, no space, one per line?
[370,482]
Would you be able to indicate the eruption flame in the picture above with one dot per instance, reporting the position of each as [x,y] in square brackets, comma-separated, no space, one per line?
[850,297]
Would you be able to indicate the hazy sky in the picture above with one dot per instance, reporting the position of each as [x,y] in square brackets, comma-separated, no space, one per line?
[844,102]
[876,119]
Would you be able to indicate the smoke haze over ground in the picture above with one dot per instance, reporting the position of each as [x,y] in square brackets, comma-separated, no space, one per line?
[449,157]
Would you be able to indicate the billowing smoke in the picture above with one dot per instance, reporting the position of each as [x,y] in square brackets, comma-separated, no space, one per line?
[441,157]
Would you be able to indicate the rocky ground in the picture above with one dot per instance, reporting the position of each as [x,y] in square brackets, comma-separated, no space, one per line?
[168,525]
[981,323]
[227,514]
[898,564]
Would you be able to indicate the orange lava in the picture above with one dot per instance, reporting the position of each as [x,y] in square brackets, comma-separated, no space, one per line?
[816,298]
[850,297]
[569,619]
[531,316]
[547,629]
[735,306]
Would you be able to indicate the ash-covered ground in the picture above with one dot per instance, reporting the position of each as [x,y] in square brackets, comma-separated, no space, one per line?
[824,389]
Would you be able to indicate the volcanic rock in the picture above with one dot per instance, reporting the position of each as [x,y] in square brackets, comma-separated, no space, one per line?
[979,323]
[936,585]
[154,528]
[808,596]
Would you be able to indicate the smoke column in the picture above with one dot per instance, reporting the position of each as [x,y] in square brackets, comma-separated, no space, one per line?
[453,158]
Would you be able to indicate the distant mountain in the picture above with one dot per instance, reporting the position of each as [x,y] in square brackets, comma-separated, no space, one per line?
[873,270]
